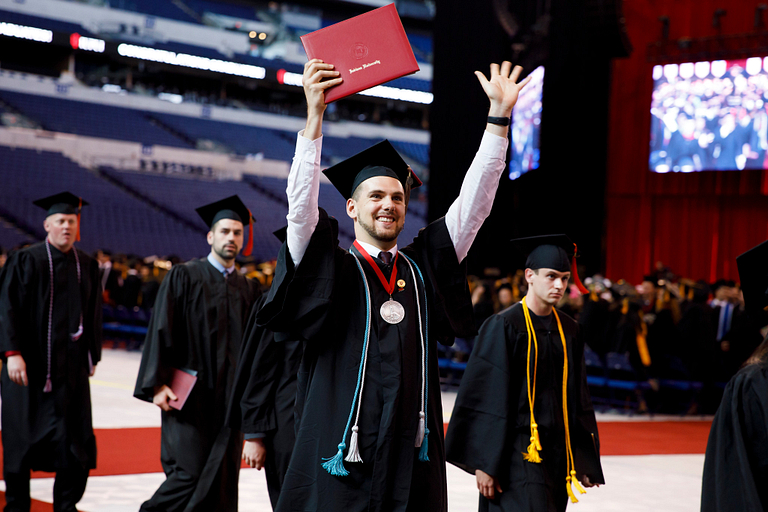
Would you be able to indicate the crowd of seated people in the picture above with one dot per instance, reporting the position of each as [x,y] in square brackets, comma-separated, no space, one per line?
[668,329]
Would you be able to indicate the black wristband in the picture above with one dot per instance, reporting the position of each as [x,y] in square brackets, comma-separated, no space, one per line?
[501,121]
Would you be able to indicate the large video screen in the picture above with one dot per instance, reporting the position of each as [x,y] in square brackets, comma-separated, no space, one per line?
[710,116]
[526,127]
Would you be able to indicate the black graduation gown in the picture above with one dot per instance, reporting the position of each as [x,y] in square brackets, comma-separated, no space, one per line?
[263,397]
[490,424]
[29,416]
[197,324]
[323,302]
[736,461]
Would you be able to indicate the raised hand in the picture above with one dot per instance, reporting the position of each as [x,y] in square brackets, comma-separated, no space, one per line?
[318,76]
[502,88]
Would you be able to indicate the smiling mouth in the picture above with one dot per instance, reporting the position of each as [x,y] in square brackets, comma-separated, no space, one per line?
[386,219]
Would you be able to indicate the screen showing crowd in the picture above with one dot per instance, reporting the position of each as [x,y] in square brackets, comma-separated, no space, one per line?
[709,116]
[526,127]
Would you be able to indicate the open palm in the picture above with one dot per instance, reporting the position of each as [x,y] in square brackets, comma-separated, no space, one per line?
[502,88]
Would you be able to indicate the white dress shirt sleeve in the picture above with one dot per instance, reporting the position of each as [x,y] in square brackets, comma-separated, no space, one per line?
[302,191]
[468,212]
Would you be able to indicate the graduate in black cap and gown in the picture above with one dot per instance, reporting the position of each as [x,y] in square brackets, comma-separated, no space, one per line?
[196,327]
[50,342]
[736,461]
[523,420]
[368,413]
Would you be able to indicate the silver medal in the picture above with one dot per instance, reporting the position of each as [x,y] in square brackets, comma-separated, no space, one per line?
[392,312]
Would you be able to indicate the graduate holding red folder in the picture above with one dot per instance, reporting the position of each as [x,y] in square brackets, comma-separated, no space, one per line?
[367,50]
[369,422]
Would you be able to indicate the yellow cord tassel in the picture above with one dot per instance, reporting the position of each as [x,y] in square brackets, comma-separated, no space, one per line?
[576,483]
[533,452]
[570,491]
[535,438]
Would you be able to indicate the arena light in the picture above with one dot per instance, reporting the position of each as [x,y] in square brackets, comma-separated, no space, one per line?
[90,44]
[173,98]
[686,70]
[380,91]
[701,69]
[23,32]
[288,78]
[394,93]
[754,65]
[191,61]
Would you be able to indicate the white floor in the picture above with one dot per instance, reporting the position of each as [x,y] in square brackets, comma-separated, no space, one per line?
[658,483]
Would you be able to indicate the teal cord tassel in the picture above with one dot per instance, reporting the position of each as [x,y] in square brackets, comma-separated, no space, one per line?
[423,451]
[335,465]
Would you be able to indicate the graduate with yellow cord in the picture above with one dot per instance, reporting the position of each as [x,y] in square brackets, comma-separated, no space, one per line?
[523,422]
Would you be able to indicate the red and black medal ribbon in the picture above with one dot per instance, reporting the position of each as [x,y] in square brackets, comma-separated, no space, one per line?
[388,286]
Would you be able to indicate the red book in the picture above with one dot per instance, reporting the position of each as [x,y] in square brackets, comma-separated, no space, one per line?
[181,384]
[366,50]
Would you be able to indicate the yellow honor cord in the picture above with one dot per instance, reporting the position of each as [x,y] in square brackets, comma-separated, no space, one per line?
[568,450]
[642,341]
[532,454]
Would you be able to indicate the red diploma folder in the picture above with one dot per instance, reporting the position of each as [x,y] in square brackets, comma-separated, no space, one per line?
[182,383]
[366,50]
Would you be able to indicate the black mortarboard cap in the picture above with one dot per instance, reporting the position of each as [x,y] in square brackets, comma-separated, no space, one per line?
[381,159]
[229,208]
[64,202]
[550,251]
[753,271]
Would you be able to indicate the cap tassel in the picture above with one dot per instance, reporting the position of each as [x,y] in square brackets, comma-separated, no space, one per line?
[354,451]
[575,273]
[48,386]
[335,465]
[79,208]
[249,247]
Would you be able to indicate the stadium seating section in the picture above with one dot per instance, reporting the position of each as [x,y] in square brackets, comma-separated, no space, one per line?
[151,213]
[91,119]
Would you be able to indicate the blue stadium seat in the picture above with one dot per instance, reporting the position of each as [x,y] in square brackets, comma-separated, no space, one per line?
[181,195]
[241,139]
[114,219]
[91,119]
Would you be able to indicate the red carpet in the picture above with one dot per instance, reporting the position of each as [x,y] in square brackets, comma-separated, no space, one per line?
[653,437]
[122,451]
[137,450]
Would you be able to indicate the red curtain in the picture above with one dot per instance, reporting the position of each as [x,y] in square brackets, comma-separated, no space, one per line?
[696,223]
